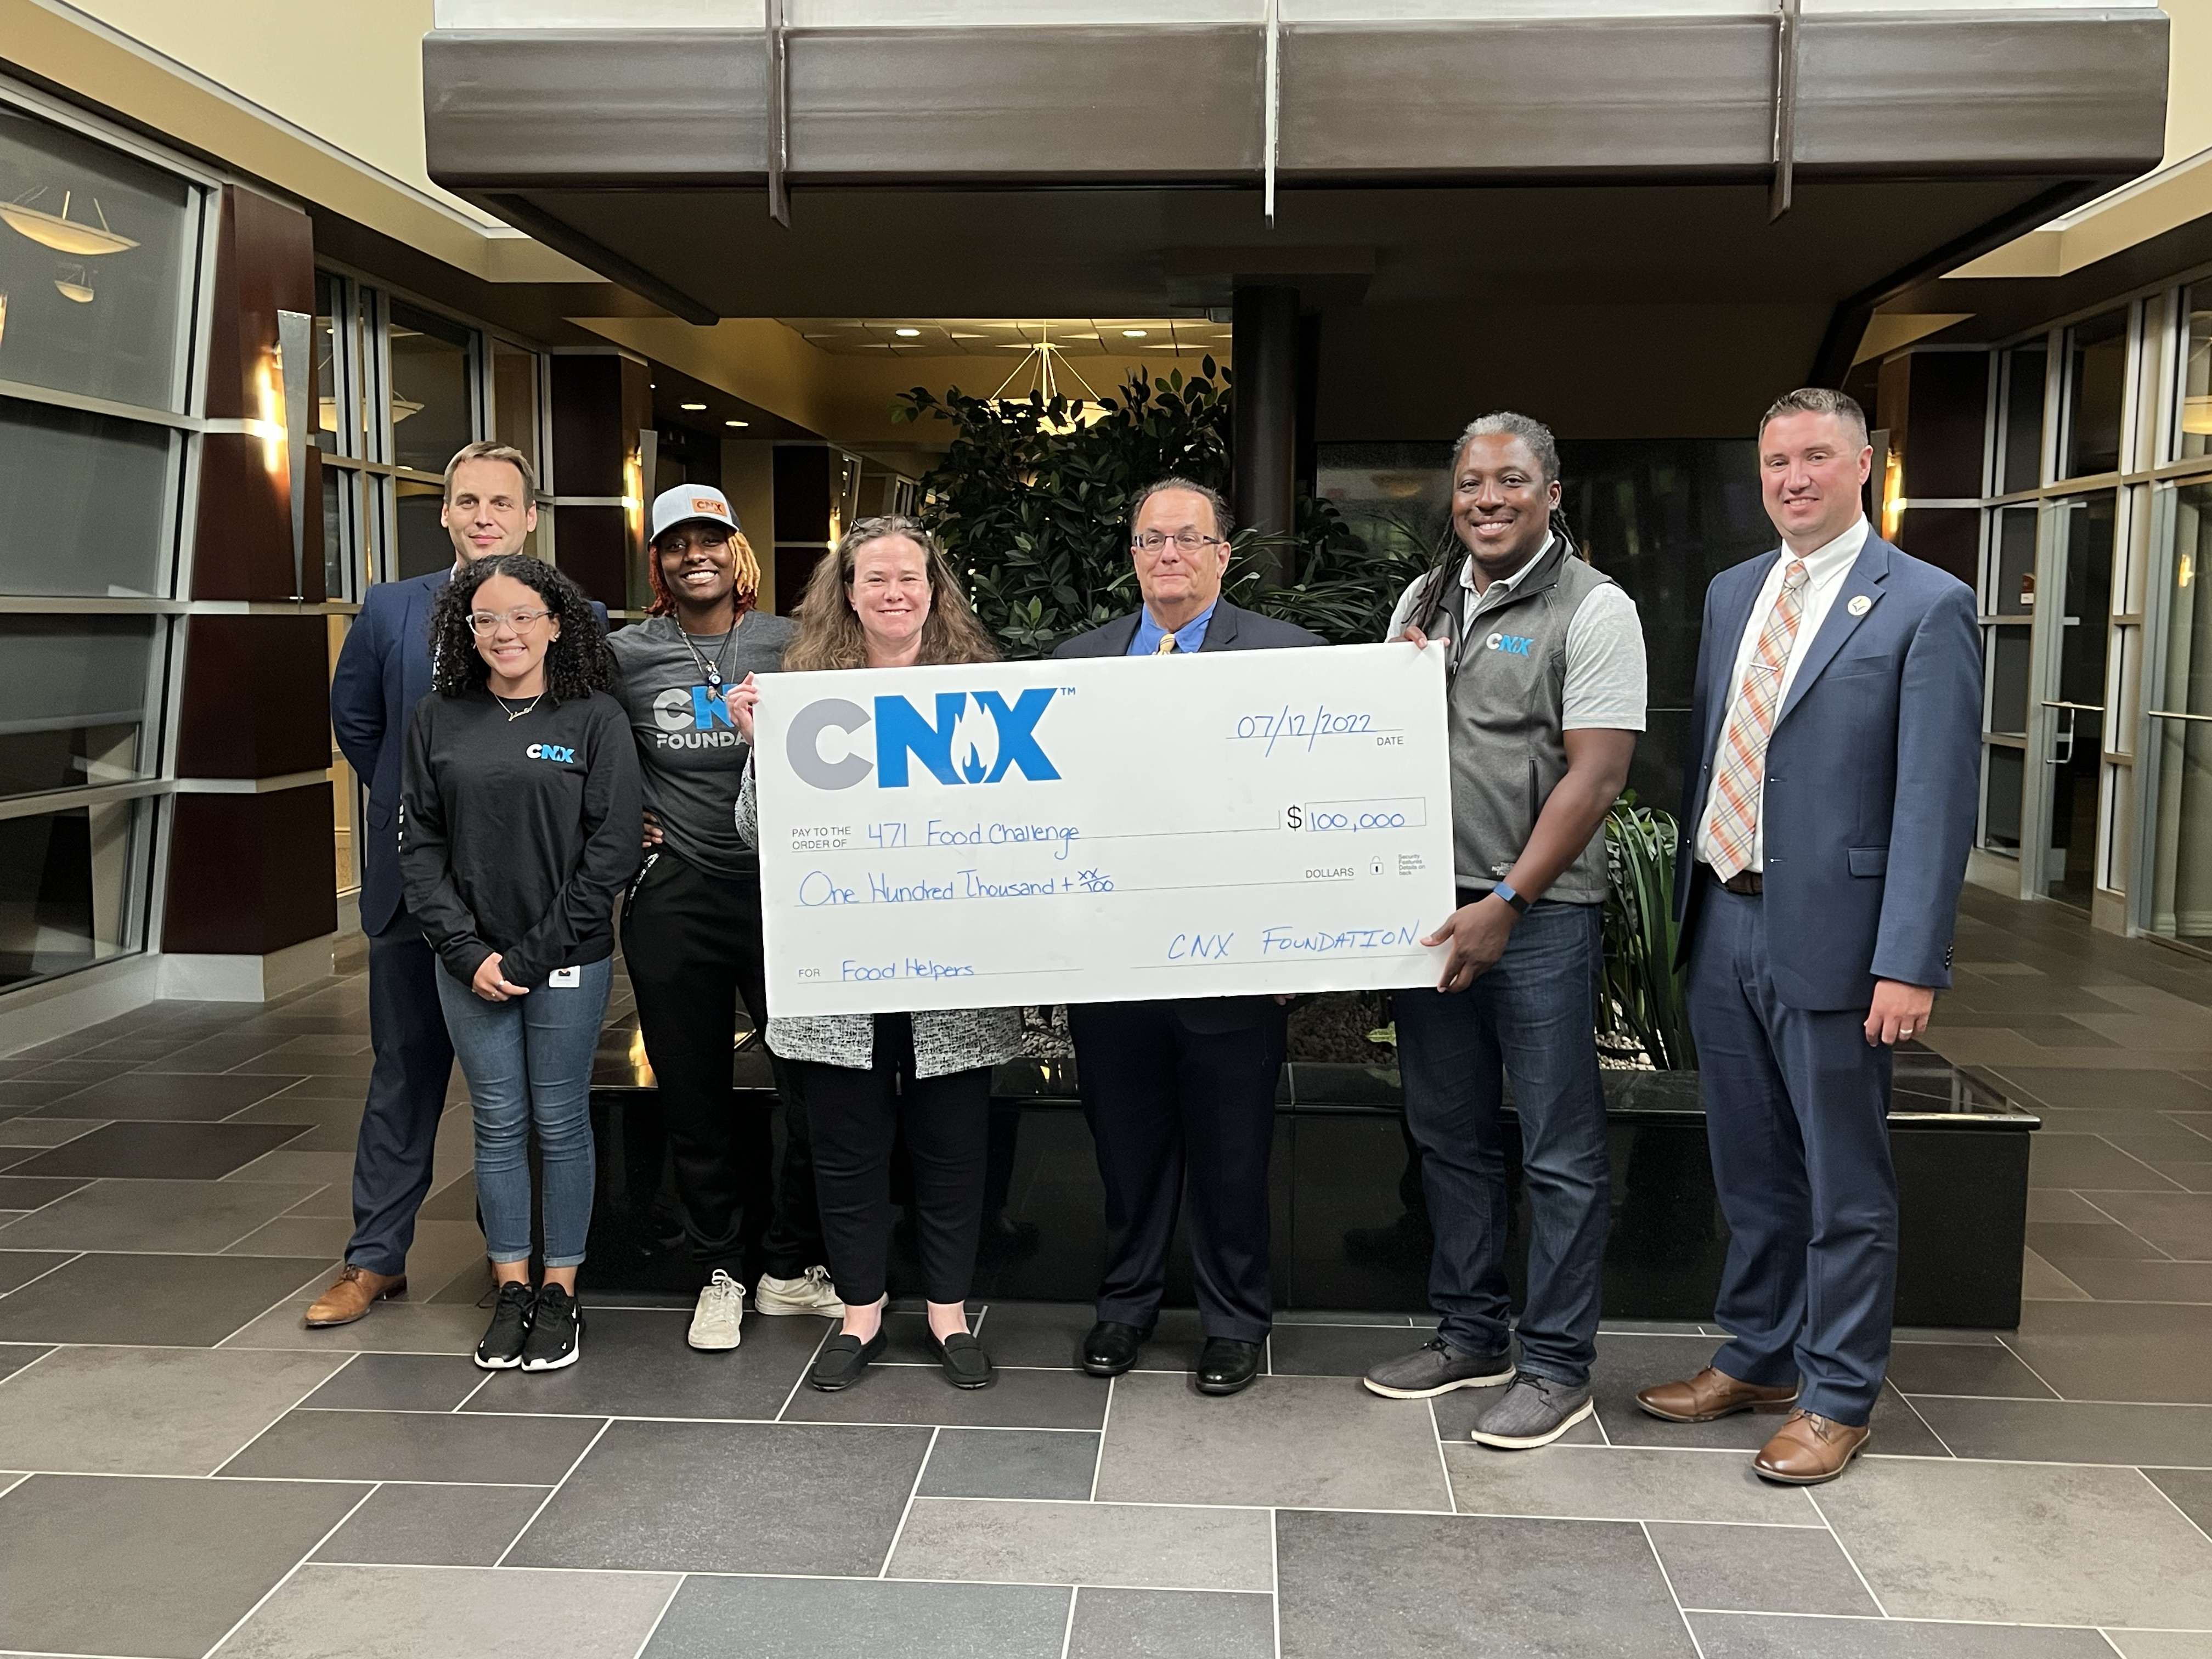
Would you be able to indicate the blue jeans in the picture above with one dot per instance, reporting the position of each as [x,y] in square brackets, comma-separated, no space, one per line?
[528,1061]
[1530,1018]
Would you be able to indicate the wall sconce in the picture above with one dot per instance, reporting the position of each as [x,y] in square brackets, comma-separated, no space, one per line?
[1893,494]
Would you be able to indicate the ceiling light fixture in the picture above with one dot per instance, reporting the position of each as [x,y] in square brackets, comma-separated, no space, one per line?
[1045,385]
[1134,333]
[59,231]
[907,333]
[736,423]
[692,408]
[74,283]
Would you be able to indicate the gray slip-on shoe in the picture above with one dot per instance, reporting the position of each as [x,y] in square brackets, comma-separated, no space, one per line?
[1534,1412]
[1435,1368]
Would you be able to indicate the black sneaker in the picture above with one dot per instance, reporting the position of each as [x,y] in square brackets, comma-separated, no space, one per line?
[557,1331]
[501,1347]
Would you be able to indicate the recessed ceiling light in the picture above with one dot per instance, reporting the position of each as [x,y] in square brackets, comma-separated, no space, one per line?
[736,423]
[1133,333]
[907,333]
[692,408]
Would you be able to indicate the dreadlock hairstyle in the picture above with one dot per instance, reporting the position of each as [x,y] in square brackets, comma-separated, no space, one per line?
[744,565]
[1450,555]
[576,665]
[829,634]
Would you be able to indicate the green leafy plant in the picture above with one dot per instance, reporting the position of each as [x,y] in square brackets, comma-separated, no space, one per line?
[1641,995]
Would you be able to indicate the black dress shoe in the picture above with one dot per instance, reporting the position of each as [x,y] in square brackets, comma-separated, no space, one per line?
[1226,1365]
[966,1364]
[843,1360]
[1111,1348]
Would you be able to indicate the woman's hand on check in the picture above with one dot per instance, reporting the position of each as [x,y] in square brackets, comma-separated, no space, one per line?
[743,698]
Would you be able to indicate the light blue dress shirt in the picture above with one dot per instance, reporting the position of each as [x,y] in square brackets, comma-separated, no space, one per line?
[1188,637]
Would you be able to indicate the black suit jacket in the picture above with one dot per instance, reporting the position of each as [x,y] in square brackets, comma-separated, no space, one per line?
[1232,629]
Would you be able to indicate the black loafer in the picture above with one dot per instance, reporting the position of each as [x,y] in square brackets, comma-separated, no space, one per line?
[1225,1365]
[1111,1349]
[966,1364]
[843,1360]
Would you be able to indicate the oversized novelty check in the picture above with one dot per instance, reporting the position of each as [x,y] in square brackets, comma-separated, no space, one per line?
[1105,829]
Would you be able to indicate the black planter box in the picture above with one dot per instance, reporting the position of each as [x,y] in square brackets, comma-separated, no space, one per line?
[1344,1236]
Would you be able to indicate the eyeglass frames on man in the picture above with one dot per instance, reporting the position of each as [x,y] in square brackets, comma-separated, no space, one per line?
[487,622]
[1189,540]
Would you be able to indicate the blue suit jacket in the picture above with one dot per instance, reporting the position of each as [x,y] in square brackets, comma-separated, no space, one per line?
[383,671]
[1872,774]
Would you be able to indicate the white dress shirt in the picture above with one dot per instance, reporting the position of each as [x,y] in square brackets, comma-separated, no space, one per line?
[1825,567]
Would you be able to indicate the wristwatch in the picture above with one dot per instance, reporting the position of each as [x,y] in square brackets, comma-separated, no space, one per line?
[1504,889]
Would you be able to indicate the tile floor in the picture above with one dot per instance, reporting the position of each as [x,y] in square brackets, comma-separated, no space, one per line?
[183,1470]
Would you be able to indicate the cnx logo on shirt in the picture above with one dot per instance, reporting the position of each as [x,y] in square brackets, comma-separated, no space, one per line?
[694,708]
[967,737]
[551,751]
[1513,645]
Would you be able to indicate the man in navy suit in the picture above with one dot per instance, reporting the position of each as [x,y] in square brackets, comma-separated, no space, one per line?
[383,671]
[1838,717]
[1184,1087]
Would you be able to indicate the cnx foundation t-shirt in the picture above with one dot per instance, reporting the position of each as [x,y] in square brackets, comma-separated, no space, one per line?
[689,750]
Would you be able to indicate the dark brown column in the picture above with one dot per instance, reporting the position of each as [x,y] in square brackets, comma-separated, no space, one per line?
[1933,404]
[601,402]
[1265,359]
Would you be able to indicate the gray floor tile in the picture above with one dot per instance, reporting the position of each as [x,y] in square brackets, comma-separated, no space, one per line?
[146,1411]
[19,1267]
[2063,1243]
[1760,1568]
[2058,1159]
[919,1394]
[1751,1636]
[2039,1543]
[23,1194]
[180,1217]
[2068,1432]
[150,1567]
[1049,1333]
[45,1131]
[2180,1224]
[2041,1282]
[1608,1483]
[2162,1643]
[32,1092]
[731,1498]
[1011,1463]
[2192,1175]
[1168,1443]
[636,1363]
[436,1446]
[187,1152]
[407,1612]
[1963,1368]
[14,1356]
[297,1235]
[1476,1588]
[1135,1624]
[189,1301]
[2105,1350]
[2096,1089]
[153,1097]
[397,1382]
[434,1526]
[314,1169]
[393,1328]
[1337,1350]
[792,1618]
[1142,1545]
[2191,1490]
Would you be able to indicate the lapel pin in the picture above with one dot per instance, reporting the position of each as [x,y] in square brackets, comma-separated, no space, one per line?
[1860,605]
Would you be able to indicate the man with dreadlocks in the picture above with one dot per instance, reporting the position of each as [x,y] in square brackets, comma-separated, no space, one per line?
[1546,695]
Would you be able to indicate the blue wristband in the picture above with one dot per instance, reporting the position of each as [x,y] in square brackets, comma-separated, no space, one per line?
[1504,889]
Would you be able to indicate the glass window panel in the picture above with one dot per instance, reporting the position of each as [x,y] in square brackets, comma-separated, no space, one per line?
[424,545]
[69,890]
[2006,772]
[514,400]
[2195,437]
[2013,576]
[2085,532]
[2021,465]
[433,406]
[97,250]
[2188,687]
[329,376]
[2008,664]
[86,500]
[341,532]
[73,702]
[2096,385]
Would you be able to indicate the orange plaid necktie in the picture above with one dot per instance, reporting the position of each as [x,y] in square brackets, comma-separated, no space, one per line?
[1750,724]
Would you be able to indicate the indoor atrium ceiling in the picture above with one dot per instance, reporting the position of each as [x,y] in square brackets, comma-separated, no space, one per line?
[995,337]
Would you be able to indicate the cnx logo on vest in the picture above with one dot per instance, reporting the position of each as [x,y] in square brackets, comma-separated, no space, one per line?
[965,736]
[1513,645]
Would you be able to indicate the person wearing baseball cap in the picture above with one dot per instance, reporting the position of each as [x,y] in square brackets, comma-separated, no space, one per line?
[691,928]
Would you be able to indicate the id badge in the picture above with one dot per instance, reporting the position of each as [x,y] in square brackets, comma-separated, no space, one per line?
[564,978]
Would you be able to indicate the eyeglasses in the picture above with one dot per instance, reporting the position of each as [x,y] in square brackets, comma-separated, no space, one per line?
[1189,540]
[487,622]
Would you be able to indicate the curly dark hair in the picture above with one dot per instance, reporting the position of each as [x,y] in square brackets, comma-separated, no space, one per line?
[576,665]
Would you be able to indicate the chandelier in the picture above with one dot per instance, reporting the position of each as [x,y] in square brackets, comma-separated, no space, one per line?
[1044,386]
[59,231]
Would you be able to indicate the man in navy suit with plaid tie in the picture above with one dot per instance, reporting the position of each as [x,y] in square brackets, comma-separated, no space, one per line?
[1837,723]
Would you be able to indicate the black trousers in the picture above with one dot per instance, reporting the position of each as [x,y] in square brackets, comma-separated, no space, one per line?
[406,1094]
[858,1118]
[691,942]
[1166,1105]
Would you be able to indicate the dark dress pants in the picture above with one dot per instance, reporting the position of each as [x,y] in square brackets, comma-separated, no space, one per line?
[1530,1019]
[406,1094]
[1797,1117]
[1169,1105]
[691,943]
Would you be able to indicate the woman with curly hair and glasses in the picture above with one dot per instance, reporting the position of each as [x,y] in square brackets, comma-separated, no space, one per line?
[519,816]
[887,598]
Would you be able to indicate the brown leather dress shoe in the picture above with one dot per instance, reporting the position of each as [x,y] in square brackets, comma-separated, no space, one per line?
[1711,1394]
[351,1294]
[1810,1448]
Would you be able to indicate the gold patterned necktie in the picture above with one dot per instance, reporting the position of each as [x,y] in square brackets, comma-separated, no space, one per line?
[1742,772]
[1167,647]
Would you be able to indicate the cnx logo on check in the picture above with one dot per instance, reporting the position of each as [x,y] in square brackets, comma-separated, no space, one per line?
[966,737]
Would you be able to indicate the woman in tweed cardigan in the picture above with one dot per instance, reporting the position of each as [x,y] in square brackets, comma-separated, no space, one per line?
[888,599]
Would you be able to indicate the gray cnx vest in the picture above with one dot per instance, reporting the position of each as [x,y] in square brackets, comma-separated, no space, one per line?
[1505,706]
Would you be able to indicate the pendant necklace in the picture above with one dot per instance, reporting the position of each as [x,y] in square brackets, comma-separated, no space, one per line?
[712,670]
[514,715]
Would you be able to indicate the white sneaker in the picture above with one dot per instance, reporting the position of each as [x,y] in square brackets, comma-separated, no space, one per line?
[721,1307]
[812,1292]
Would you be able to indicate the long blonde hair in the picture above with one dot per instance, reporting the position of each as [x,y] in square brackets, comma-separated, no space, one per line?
[829,634]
